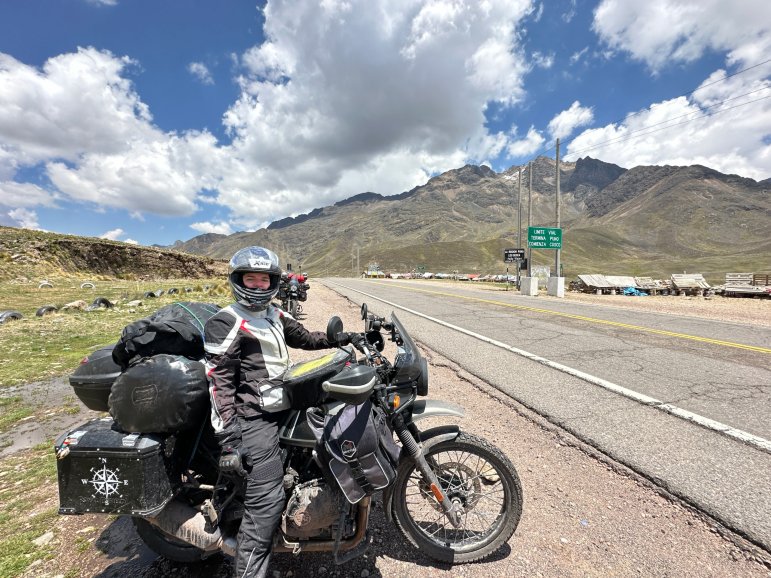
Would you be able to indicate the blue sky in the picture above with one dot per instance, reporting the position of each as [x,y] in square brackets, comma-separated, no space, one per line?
[151,121]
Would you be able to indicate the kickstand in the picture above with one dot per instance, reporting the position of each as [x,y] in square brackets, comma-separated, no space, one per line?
[360,549]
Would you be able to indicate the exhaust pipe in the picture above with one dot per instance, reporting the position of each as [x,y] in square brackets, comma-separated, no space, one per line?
[187,524]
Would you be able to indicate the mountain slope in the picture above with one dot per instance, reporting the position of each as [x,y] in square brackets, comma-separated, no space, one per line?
[652,220]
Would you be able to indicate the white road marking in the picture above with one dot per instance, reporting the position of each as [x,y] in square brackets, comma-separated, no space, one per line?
[743,436]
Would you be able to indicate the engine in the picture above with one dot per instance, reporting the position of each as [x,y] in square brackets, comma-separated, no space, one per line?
[313,511]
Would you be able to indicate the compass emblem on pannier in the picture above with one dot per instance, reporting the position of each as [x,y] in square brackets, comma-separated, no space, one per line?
[105,482]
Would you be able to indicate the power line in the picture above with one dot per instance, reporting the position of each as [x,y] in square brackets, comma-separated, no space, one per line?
[701,114]
[723,79]
[632,136]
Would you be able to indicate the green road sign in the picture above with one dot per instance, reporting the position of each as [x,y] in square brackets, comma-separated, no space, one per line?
[544,238]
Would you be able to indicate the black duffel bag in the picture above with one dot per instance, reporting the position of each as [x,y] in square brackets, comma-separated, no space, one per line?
[176,329]
[160,394]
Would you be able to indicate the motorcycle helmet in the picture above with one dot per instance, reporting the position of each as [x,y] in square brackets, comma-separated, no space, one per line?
[256,260]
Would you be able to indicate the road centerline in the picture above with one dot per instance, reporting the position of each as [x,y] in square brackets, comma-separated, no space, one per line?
[719,427]
[664,332]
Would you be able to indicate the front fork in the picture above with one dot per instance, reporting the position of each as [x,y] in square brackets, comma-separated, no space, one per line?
[413,448]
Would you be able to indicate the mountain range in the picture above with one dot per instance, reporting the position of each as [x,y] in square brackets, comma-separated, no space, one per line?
[648,220]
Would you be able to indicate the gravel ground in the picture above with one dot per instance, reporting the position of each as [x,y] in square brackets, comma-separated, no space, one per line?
[583,514]
[745,310]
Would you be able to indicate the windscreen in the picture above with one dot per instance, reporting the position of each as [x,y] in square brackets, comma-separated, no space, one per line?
[407,362]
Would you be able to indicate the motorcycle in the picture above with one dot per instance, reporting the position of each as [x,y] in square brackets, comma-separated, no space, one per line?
[290,295]
[454,496]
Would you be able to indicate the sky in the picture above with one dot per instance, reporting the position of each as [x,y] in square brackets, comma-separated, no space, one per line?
[151,121]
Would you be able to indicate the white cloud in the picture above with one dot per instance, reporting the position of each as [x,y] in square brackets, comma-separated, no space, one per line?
[103,2]
[16,194]
[570,13]
[577,56]
[221,228]
[347,97]
[527,146]
[131,242]
[112,235]
[24,218]
[77,103]
[543,60]
[682,132]
[341,98]
[663,32]
[161,176]
[568,120]
[201,72]
[82,118]
[538,12]
[339,88]
[718,125]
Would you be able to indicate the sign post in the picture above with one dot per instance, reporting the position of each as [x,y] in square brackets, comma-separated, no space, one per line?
[513,256]
[548,238]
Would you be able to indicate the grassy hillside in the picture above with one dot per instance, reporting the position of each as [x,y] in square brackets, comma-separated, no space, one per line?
[37,255]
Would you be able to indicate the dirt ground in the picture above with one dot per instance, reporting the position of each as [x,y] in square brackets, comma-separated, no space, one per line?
[583,515]
[745,310]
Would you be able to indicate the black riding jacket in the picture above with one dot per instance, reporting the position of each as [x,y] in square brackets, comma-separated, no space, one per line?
[246,354]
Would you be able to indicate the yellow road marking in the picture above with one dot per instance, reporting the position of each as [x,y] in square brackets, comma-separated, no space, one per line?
[594,320]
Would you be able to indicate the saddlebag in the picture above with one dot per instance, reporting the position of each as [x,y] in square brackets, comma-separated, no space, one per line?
[102,470]
[356,447]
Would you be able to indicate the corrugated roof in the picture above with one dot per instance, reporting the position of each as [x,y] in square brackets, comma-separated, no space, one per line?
[621,281]
[598,281]
[649,282]
[689,281]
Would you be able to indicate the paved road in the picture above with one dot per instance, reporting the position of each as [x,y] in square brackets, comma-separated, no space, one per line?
[646,389]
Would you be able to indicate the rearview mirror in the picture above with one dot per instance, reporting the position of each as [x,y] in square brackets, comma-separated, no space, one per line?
[334,327]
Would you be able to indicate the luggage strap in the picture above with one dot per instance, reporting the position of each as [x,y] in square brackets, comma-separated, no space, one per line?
[349,453]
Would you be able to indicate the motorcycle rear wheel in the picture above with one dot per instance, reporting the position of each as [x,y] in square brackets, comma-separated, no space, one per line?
[165,545]
[481,480]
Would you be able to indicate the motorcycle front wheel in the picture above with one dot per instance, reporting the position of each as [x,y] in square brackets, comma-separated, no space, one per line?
[293,308]
[480,480]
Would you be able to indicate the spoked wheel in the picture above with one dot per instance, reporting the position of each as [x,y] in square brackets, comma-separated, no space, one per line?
[480,480]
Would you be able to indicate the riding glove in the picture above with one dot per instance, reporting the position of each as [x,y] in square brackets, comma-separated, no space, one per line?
[232,456]
[343,338]
[232,461]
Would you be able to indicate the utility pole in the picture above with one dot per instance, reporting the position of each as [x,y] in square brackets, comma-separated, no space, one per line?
[529,214]
[519,227]
[557,209]
[358,269]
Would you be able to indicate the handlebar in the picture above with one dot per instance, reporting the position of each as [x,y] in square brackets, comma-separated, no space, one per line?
[348,389]
[374,357]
